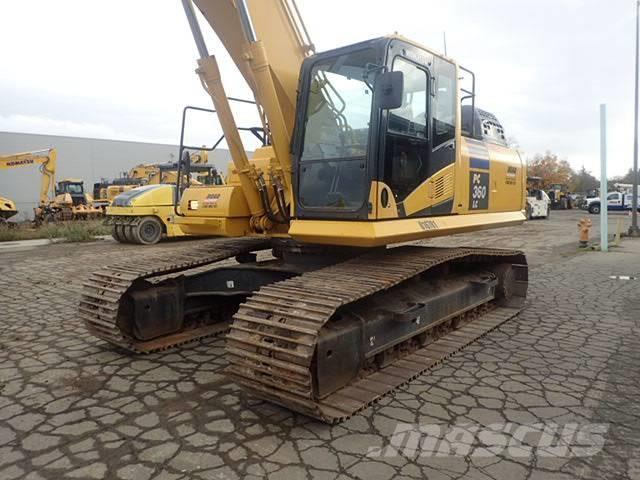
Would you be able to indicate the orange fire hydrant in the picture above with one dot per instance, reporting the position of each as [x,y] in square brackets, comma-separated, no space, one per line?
[584,226]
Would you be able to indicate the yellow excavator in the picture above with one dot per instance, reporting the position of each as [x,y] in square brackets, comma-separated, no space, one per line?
[368,145]
[65,200]
[7,209]
[143,214]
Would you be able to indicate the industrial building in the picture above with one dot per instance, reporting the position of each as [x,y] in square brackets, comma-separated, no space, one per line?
[87,158]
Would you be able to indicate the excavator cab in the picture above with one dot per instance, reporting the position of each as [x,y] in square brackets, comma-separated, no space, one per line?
[375,121]
[75,189]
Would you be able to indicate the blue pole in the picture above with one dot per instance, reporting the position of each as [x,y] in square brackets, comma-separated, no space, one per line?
[604,210]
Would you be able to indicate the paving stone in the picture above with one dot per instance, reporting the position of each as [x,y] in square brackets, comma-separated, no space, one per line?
[38,441]
[356,443]
[286,454]
[160,453]
[223,425]
[27,422]
[289,473]
[95,470]
[320,457]
[264,446]
[135,472]
[79,428]
[148,420]
[6,435]
[73,407]
[190,460]
[372,471]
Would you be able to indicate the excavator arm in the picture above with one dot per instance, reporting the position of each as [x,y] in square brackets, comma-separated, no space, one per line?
[46,159]
[267,41]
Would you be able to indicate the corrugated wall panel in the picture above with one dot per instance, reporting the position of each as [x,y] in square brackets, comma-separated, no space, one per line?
[87,158]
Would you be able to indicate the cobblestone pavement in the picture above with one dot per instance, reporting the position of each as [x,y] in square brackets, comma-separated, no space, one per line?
[73,407]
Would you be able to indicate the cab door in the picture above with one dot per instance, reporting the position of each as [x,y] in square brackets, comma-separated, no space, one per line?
[420,136]
[614,201]
[404,158]
[443,124]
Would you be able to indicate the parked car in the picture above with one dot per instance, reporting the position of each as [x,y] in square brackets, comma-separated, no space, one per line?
[616,201]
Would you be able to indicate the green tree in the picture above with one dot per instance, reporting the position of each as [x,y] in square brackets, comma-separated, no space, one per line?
[582,181]
[626,178]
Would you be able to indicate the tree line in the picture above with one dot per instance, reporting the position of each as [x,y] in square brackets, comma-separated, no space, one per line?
[552,169]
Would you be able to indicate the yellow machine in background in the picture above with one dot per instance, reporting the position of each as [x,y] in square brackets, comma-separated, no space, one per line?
[559,195]
[368,145]
[65,200]
[7,209]
[106,190]
[145,213]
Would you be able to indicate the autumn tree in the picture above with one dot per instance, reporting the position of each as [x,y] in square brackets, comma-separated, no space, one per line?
[583,181]
[550,169]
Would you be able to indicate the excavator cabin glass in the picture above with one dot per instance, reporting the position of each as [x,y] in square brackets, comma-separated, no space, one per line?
[336,136]
[344,145]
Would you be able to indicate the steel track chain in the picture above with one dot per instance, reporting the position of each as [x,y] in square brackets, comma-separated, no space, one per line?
[106,287]
[272,339]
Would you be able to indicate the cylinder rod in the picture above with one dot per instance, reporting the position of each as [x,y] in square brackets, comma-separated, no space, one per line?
[195,28]
[245,21]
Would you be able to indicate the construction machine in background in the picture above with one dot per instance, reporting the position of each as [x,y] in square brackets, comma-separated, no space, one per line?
[559,195]
[143,214]
[7,209]
[538,202]
[106,190]
[368,145]
[63,201]
[144,174]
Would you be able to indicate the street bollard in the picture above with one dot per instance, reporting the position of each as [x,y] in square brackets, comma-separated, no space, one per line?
[584,226]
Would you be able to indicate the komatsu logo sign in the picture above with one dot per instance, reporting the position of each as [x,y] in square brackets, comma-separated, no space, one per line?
[16,163]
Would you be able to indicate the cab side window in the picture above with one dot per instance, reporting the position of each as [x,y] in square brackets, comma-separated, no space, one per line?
[407,152]
[411,117]
[444,104]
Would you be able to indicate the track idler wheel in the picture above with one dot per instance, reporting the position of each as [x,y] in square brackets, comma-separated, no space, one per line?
[507,290]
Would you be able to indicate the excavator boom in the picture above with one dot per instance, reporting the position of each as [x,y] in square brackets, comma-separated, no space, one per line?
[46,159]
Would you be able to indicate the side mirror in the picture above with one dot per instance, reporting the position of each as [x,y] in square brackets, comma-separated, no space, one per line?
[388,90]
[185,169]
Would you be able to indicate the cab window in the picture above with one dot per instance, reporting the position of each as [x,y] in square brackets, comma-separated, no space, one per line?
[411,117]
[406,145]
[444,104]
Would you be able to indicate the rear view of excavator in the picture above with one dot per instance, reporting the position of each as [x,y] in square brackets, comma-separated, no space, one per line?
[369,145]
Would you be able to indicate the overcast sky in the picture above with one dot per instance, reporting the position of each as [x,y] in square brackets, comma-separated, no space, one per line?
[123,69]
